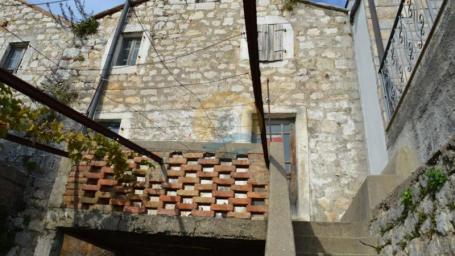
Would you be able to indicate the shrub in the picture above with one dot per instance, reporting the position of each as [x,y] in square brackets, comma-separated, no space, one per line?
[85,27]
[436,179]
[406,199]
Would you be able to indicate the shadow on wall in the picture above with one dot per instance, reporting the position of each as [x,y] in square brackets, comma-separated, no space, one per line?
[12,185]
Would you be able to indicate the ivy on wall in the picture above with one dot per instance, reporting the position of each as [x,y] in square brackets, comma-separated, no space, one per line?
[42,125]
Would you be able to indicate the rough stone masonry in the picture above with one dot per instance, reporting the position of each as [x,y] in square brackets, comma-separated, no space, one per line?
[422,224]
[202,45]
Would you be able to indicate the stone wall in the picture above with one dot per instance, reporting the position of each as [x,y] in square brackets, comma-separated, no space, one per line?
[419,217]
[62,58]
[39,29]
[41,170]
[318,84]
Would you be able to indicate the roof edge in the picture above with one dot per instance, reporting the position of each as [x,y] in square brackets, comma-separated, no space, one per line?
[324,6]
[138,2]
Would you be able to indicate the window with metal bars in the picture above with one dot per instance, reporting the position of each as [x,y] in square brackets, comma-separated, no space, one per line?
[270,42]
[13,57]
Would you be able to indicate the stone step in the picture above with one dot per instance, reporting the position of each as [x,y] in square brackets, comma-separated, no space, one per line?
[330,229]
[307,245]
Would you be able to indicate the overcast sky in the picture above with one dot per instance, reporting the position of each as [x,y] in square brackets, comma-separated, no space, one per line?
[100,5]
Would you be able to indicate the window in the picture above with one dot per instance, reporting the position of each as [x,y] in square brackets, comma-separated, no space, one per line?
[113,125]
[129,49]
[13,56]
[281,130]
[270,41]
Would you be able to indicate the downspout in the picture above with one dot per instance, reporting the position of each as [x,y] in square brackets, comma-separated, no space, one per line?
[106,71]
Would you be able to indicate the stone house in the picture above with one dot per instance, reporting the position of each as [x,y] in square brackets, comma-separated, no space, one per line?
[179,78]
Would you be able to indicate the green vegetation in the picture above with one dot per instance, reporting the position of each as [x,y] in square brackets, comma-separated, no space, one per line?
[406,199]
[436,179]
[290,4]
[88,26]
[42,125]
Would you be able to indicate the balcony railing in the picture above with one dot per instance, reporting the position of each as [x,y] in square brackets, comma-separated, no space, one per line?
[411,30]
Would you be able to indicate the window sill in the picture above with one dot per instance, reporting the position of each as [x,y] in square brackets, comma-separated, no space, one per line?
[117,70]
[274,64]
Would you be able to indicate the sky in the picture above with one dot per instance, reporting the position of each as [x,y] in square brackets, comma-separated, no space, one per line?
[96,6]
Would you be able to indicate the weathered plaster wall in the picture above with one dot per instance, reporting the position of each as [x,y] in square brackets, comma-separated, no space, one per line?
[426,117]
[424,225]
[372,113]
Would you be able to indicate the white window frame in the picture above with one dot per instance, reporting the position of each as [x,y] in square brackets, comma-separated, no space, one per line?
[141,57]
[120,47]
[125,121]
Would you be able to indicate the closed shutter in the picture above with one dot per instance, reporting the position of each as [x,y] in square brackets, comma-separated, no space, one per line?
[270,42]
[277,53]
[263,42]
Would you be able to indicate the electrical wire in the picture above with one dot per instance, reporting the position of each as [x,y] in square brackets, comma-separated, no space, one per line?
[165,60]
[161,60]
[152,43]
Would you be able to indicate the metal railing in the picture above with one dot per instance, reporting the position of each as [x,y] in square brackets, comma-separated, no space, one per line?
[411,30]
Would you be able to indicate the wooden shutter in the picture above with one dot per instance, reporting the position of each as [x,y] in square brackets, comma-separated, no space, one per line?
[277,42]
[270,41]
[262,42]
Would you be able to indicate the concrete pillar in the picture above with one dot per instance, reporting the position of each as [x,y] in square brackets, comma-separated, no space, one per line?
[280,234]
[49,243]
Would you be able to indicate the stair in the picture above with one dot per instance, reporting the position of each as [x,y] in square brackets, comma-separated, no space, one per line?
[332,238]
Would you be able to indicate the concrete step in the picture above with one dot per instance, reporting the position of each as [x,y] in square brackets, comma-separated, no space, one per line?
[307,245]
[334,254]
[331,229]
[374,189]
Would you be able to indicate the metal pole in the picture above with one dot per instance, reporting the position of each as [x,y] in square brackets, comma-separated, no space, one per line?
[108,63]
[32,144]
[268,103]
[38,95]
[376,29]
[249,9]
